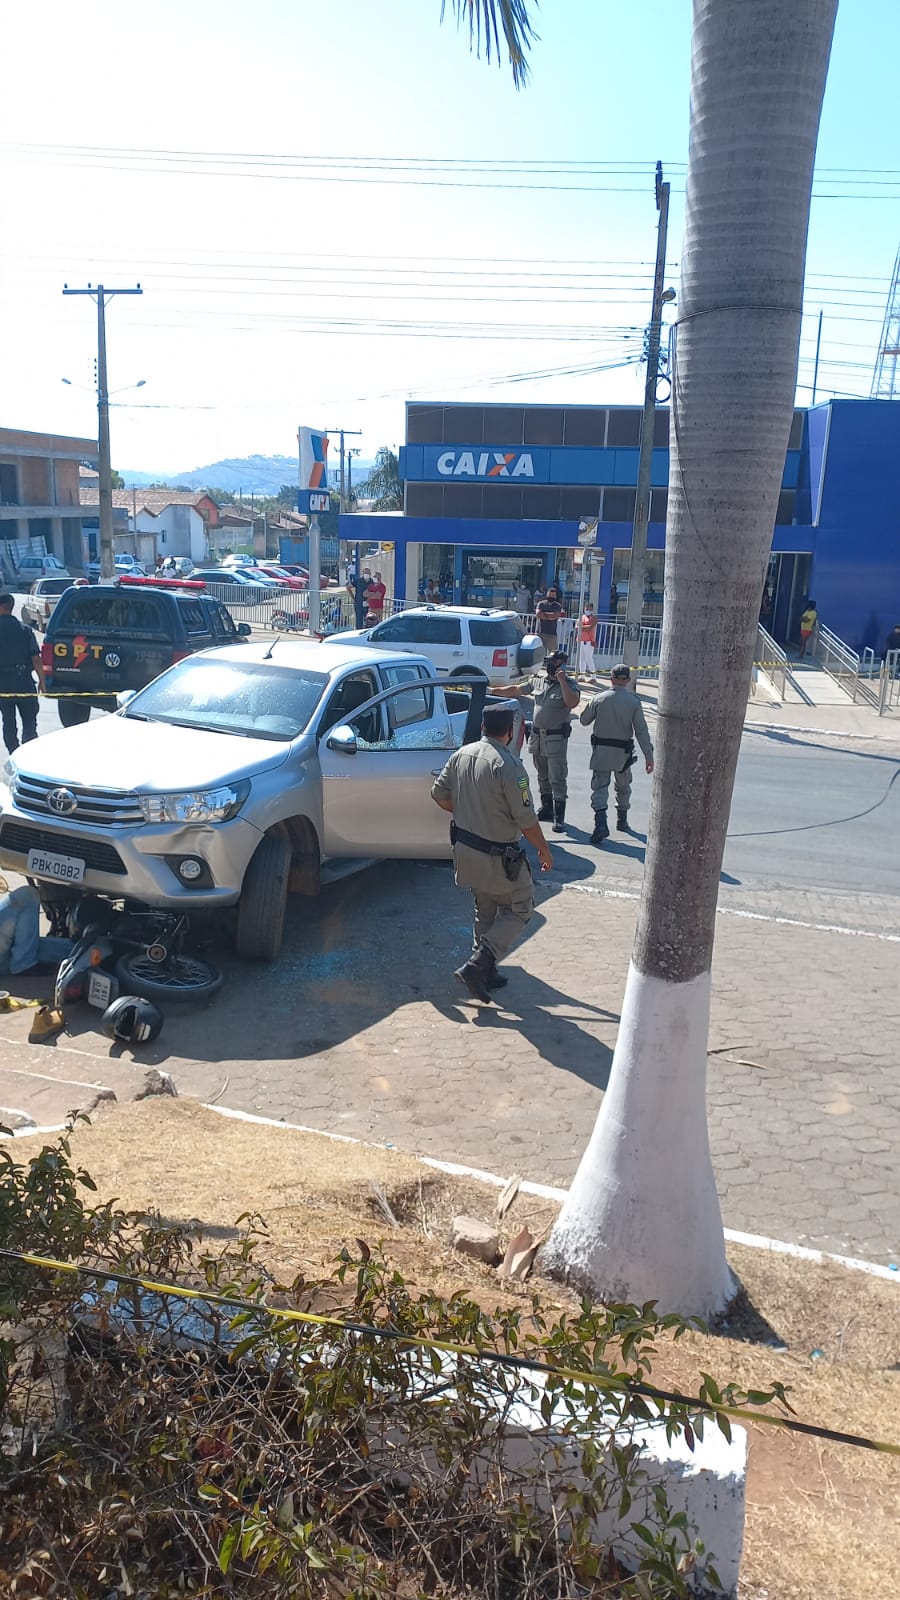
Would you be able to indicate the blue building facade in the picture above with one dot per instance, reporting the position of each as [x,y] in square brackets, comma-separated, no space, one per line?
[494,495]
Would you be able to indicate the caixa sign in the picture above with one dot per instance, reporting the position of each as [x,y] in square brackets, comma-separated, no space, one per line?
[313,501]
[485,464]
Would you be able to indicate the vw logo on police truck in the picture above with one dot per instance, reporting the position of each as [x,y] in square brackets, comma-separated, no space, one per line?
[62,801]
[112,659]
[486,464]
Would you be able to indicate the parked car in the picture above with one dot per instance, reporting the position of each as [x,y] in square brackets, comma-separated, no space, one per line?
[176,566]
[37,609]
[235,775]
[234,586]
[109,637]
[33,567]
[292,578]
[237,561]
[265,575]
[127,566]
[458,641]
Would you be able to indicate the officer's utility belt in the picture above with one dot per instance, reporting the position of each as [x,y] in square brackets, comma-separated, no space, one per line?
[618,744]
[512,855]
[565,732]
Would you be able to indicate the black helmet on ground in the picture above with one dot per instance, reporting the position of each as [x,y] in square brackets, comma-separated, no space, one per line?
[132,1020]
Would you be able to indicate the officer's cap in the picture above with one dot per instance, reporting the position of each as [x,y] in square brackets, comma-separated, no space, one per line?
[620,670]
[498,720]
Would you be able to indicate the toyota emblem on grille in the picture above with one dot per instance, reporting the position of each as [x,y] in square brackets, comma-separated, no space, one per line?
[62,801]
[112,659]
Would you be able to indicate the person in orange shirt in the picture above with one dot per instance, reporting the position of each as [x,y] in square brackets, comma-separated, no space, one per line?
[587,639]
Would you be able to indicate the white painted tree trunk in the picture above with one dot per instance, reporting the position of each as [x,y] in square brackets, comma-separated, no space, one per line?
[642,1220]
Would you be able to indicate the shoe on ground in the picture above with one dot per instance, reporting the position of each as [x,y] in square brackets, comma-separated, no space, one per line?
[474,978]
[47,1022]
[546,812]
[601,831]
[559,817]
[622,822]
[497,980]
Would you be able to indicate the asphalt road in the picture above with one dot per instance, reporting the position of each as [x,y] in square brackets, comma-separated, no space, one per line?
[814,827]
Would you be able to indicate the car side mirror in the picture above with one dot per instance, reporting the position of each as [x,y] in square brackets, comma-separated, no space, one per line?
[343,739]
[244,629]
[123,697]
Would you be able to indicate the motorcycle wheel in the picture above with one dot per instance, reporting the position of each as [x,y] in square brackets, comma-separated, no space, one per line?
[280,621]
[181,978]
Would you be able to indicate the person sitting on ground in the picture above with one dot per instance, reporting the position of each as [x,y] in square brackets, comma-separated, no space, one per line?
[22,948]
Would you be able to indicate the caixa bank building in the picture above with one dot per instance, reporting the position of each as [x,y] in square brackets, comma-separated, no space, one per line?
[494,494]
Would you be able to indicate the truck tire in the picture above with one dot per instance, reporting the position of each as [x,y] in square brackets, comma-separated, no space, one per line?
[73,712]
[261,908]
[468,672]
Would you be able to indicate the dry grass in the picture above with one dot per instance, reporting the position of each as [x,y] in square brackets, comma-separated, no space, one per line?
[821,1518]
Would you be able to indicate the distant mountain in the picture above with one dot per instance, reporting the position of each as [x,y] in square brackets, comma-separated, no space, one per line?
[248,475]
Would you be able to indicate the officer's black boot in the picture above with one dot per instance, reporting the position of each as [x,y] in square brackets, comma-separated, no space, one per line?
[622,820]
[601,828]
[546,812]
[559,816]
[476,973]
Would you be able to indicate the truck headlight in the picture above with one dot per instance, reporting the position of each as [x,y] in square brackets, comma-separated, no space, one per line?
[201,805]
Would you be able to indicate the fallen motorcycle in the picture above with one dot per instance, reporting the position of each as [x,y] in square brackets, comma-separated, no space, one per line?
[126,952]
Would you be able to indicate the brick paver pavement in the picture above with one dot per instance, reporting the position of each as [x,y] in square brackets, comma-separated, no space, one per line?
[361,1029]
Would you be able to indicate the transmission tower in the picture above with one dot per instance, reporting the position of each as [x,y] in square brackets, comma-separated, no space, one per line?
[886,377]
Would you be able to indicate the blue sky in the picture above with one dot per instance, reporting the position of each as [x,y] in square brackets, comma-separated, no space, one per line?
[265,280]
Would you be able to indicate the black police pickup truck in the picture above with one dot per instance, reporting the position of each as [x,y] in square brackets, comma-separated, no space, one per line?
[110,637]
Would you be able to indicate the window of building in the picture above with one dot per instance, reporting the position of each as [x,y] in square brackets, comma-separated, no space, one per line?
[618,505]
[577,503]
[585,426]
[786,503]
[654,576]
[661,429]
[424,499]
[462,499]
[544,425]
[9,485]
[502,500]
[424,424]
[540,501]
[464,425]
[624,428]
[504,425]
[659,505]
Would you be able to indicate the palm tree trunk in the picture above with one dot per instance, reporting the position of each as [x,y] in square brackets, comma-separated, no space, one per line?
[642,1219]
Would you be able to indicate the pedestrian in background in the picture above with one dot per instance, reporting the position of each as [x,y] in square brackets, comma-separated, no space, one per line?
[616,719]
[549,610]
[808,623]
[485,789]
[587,639]
[20,664]
[374,597]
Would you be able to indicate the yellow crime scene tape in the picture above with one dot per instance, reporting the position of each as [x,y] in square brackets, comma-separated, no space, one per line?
[419,1342]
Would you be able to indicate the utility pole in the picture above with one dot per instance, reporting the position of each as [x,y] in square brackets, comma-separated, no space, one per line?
[102,295]
[343,433]
[634,604]
[350,454]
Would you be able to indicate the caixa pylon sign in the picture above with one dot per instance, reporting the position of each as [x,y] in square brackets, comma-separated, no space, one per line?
[312,495]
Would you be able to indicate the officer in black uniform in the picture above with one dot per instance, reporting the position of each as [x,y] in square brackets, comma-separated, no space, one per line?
[20,662]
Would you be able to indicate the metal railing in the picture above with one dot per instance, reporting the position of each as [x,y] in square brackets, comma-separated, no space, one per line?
[770,659]
[837,659]
[889,683]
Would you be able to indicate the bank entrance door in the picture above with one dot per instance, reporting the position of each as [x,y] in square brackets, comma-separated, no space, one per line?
[498,577]
[785,594]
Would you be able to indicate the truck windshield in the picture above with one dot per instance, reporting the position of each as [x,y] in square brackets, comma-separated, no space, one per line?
[256,699]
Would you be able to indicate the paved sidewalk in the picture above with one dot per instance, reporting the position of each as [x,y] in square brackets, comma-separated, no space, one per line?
[361,1029]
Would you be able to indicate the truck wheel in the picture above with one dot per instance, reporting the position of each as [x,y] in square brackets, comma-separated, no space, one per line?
[263,901]
[73,712]
[468,672]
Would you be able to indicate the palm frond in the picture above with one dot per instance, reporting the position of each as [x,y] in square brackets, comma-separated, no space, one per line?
[489,18]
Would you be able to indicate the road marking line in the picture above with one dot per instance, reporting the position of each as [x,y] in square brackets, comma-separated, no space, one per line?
[752,916]
[546,1191]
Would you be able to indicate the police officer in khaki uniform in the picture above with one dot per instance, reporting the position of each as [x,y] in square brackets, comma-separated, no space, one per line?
[485,788]
[555,698]
[616,719]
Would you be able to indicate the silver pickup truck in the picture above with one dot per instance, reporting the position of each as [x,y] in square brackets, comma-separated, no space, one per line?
[234,776]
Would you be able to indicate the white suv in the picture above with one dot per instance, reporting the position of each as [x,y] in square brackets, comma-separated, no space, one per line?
[459,641]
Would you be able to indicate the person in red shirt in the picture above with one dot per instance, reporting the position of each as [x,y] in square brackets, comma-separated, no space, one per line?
[587,635]
[374,597]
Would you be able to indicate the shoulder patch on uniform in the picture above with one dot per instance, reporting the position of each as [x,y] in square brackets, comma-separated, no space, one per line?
[524,787]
